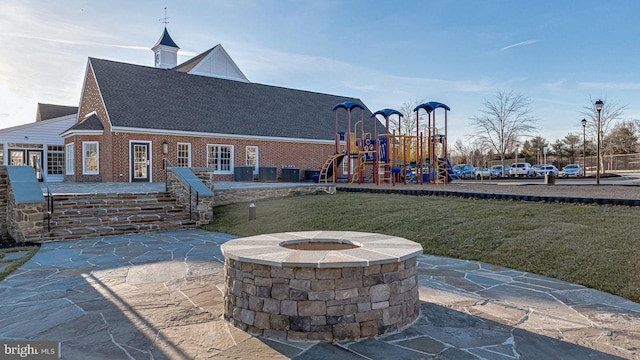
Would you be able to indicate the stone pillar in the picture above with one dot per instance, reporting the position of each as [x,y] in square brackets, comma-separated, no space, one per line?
[321,304]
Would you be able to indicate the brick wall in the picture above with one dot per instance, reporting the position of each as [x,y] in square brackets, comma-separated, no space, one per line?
[115,158]
[90,101]
[115,146]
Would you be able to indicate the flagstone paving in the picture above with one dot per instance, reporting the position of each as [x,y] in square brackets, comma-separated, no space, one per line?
[158,296]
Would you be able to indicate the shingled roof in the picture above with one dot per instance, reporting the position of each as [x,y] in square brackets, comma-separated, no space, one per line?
[149,98]
[90,123]
[51,111]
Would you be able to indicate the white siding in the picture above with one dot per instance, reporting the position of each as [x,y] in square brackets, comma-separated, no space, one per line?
[219,64]
[43,133]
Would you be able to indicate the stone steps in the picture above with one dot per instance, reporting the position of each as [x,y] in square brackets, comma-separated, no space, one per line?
[61,214]
[94,215]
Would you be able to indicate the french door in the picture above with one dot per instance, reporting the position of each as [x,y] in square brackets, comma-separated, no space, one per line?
[140,162]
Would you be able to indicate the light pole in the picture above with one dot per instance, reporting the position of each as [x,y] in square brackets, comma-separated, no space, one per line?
[599,104]
[584,146]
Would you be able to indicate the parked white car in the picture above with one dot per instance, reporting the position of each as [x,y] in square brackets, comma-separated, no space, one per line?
[547,169]
[521,169]
[497,171]
[481,173]
[572,170]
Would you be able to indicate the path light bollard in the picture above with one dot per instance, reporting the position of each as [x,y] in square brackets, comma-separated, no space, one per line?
[252,210]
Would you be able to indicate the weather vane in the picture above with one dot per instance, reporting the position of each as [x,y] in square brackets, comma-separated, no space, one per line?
[165,19]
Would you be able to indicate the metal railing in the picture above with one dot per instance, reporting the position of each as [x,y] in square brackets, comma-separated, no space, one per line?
[166,164]
[38,166]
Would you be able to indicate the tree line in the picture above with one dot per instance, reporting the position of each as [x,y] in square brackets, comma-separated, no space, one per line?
[506,126]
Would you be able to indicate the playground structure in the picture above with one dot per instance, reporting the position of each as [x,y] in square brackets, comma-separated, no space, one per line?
[391,156]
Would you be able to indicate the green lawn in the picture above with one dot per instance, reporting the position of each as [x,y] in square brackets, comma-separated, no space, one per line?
[7,266]
[596,246]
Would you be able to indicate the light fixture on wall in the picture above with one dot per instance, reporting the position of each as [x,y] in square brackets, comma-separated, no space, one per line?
[165,147]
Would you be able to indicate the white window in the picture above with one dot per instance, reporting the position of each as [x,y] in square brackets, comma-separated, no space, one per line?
[184,155]
[90,156]
[252,158]
[69,148]
[220,158]
[55,160]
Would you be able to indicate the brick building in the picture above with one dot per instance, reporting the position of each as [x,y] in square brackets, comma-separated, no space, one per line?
[201,113]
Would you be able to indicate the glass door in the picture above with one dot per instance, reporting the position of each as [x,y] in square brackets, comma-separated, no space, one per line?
[140,162]
[31,155]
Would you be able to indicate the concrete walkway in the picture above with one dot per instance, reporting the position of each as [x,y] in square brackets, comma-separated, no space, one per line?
[157,296]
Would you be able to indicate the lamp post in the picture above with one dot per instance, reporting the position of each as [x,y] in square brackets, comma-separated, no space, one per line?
[584,147]
[599,104]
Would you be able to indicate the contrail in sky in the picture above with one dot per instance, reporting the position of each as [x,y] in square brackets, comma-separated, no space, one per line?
[523,43]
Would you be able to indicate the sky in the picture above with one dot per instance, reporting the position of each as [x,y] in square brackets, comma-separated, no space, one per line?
[560,54]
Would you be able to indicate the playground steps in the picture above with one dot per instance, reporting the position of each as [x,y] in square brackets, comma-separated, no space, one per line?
[445,171]
[327,168]
[387,174]
[358,176]
[77,216]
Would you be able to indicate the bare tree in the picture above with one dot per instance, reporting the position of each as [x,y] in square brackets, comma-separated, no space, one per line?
[460,152]
[407,124]
[609,115]
[503,121]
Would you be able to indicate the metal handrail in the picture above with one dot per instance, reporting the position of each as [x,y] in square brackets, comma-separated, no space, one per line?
[38,165]
[165,163]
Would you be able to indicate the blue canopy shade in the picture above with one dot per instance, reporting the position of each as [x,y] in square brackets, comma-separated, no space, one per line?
[347,105]
[387,112]
[431,105]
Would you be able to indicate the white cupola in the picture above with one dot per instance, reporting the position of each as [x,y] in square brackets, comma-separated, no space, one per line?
[165,52]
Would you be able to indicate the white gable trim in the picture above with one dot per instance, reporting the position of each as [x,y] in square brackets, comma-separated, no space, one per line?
[67,134]
[218,64]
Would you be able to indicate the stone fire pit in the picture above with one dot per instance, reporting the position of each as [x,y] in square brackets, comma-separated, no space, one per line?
[321,285]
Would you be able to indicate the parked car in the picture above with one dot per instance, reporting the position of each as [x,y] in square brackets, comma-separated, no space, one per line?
[572,170]
[499,171]
[547,169]
[463,171]
[521,169]
[481,173]
[536,167]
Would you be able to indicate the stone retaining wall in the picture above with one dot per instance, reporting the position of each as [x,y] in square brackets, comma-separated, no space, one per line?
[231,196]
[321,304]
[205,175]
[202,212]
[25,220]
[3,203]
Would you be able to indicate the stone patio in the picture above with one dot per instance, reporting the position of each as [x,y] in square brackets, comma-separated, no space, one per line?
[159,295]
